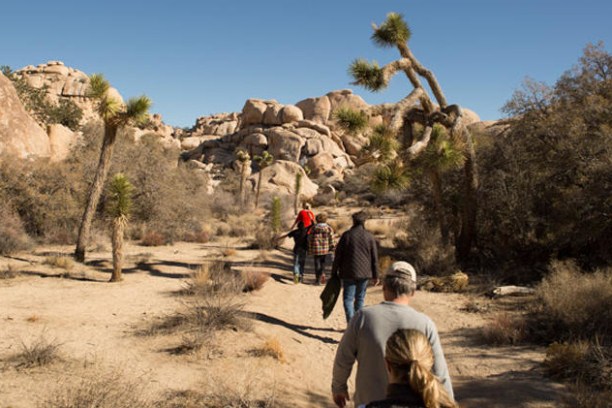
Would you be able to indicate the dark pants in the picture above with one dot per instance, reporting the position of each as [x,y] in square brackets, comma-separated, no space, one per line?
[319,265]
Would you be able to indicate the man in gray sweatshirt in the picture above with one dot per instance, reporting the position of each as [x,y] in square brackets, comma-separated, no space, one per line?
[364,340]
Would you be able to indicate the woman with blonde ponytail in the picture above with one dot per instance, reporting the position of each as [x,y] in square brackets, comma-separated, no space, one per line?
[409,360]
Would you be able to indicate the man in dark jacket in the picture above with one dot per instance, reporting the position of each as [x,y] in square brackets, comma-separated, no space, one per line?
[356,263]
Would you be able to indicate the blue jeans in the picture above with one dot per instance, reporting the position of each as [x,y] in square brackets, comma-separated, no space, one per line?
[299,262]
[353,296]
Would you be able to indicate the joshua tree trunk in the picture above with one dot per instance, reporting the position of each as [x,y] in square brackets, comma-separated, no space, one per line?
[436,184]
[469,209]
[244,174]
[117,242]
[110,135]
[258,188]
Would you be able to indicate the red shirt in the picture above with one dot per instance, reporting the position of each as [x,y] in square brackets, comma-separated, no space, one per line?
[306,216]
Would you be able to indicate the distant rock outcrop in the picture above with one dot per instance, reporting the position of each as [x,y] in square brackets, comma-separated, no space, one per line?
[20,135]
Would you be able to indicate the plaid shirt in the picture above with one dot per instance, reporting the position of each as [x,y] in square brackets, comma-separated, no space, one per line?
[321,240]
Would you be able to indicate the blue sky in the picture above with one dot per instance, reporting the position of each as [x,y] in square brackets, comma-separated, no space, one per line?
[195,58]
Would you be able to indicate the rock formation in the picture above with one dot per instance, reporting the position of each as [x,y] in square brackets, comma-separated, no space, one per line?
[20,135]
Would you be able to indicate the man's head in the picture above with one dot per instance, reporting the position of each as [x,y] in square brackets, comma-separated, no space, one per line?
[399,280]
[306,205]
[359,218]
[321,218]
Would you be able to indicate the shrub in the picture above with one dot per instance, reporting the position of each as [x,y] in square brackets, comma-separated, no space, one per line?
[271,348]
[588,363]
[254,279]
[199,236]
[576,304]
[504,329]
[265,238]
[100,390]
[60,261]
[40,352]
[10,272]
[13,237]
[153,238]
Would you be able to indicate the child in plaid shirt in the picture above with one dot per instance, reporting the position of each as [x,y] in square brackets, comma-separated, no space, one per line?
[321,243]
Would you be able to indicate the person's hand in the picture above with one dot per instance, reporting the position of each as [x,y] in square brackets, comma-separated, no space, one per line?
[341,398]
[374,281]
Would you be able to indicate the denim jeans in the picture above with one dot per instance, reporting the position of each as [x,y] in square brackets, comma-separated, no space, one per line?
[299,262]
[319,264]
[353,296]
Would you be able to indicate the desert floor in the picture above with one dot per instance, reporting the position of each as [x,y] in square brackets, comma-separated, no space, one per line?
[96,326]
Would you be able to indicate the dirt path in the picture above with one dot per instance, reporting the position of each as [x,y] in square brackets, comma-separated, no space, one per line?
[96,322]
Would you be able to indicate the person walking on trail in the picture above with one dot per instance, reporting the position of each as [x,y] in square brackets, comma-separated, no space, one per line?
[356,263]
[365,337]
[300,250]
[306,216]
[320,244]
[409,360]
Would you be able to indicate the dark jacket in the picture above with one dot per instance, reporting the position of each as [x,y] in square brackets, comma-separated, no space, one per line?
[300,238]
[356,256]
[399,396]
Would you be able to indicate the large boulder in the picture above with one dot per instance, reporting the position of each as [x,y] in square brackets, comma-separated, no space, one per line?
[253,112]
[316,109]
[469,116]
[254,144]
[291,113]
[272,115]
[354,143]
[61,140]
[284,144]
[19,133]
[220,124]
[279,178]
[346,99]
[320,164]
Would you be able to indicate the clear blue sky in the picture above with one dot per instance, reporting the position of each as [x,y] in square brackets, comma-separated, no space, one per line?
[195,58]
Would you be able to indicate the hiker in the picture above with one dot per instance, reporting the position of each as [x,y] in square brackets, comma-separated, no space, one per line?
[356,263]
[305,215]
[300,249]
[365,337]
[409,360]
[320,244]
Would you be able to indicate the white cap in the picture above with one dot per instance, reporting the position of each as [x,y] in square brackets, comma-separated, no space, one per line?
[402,270]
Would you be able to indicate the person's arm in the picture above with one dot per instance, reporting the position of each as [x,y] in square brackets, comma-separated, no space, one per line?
[346,354]
[374,258]
[338,254]
[440,369]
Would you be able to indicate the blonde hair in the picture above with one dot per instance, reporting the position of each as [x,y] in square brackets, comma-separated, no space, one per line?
[411,359]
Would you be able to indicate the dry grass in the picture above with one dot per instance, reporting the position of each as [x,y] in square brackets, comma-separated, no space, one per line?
[587,363]
[213,276]
[585,397]
[271,348]
[33,319]
[225,397]
[229,252]
[100,390]
[254,279]
[504,329]
[38,353]
[60,261]
[9,272]
[200,237]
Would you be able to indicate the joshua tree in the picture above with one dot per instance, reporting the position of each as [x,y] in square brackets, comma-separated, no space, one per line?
[120,204]
[263,161]
[115,115]
[245,170]
[441,154]
[418,107]
[390,176]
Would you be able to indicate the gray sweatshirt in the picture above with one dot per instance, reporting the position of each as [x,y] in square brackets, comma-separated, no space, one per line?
[364,340]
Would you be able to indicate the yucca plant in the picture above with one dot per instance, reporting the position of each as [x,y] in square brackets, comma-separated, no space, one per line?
[245,170]
[119,207]
[390,176]
[263,161]
[296,193]
[351,120]
[115,115]
[382,146]
[393,32]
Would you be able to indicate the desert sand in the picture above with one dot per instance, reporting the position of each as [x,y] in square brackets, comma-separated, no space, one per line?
[96,325]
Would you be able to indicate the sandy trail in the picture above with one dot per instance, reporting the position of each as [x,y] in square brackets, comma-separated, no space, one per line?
[96,322]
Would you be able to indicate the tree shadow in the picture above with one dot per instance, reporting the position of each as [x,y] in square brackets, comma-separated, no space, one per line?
[299,329]
[64,275]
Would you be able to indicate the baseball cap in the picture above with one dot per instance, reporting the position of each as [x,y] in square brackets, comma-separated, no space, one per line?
[402,270]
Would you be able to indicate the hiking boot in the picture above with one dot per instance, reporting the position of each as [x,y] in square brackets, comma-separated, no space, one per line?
[296,279]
